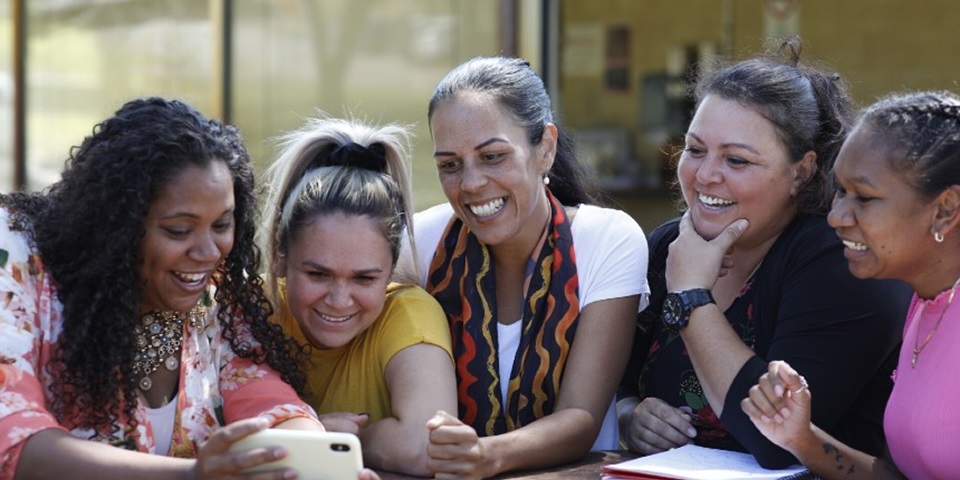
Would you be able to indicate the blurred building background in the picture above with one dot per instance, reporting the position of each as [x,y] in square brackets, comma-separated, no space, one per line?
[615,68]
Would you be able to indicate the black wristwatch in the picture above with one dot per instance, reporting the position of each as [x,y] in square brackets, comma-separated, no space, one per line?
[678,306]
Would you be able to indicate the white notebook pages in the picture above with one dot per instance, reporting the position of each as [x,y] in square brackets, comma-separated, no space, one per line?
[691,462]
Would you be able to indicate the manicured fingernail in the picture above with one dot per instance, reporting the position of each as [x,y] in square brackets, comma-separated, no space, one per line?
[765,419]
[785,412]
[691,432]
[777,418]
[778,390]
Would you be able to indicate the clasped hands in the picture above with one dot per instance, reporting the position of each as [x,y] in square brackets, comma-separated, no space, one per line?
[454,451]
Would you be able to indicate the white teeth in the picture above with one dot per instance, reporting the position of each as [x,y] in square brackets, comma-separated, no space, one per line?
[335,319]
[714,201]
[857,246]
[191,277]
[488,208]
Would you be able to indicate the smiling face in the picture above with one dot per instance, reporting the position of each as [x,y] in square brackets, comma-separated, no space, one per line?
[489,171]
[337,270]
[735,166]
[189,230]
[884,222]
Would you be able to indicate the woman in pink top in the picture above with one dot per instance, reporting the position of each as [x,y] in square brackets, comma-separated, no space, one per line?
[897,210]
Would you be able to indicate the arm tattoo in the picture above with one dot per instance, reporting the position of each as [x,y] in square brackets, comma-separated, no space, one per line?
[830,449]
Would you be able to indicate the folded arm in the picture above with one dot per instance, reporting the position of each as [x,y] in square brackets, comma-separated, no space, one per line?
[421,382]
[779,406]
[597,359]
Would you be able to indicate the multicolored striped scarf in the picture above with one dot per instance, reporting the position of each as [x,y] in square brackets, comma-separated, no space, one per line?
[462,279]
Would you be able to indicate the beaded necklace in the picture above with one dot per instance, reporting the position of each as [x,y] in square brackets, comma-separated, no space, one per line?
[159,336]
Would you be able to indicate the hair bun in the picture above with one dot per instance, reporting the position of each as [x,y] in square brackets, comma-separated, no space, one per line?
[355,155]
[790,50]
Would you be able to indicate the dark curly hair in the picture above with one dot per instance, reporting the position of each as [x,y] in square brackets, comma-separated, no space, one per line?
[88,228]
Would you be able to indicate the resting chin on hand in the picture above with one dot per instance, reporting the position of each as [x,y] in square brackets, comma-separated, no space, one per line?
[653,426]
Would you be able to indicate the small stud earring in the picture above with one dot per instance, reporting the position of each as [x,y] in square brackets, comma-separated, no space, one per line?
[546,180]
[938,237]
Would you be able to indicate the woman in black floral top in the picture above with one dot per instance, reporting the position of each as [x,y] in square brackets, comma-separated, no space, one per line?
[756,274]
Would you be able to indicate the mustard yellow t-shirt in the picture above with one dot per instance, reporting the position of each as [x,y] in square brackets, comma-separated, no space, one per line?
[352,378]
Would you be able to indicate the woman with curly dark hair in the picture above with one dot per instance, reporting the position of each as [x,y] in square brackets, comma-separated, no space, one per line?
[133,314]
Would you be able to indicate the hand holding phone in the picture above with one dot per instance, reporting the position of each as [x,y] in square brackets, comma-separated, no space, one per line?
[314,455]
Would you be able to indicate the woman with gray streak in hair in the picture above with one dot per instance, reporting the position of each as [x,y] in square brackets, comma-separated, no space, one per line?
[751,272]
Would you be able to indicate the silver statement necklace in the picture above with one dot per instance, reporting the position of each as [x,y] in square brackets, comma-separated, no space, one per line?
[159,337]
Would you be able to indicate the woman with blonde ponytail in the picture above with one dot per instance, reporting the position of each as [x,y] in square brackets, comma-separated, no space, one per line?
[379,362]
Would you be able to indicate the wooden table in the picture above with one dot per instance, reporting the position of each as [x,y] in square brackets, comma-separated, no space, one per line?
[586,468]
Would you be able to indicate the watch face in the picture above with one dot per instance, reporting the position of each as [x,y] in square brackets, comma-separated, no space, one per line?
[673,317]
[677,307]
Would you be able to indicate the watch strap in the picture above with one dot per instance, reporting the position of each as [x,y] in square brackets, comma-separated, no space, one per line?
[696,297]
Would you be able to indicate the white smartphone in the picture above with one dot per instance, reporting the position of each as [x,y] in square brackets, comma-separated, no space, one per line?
[314,455]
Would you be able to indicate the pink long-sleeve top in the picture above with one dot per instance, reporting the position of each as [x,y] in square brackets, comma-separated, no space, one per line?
[922,419]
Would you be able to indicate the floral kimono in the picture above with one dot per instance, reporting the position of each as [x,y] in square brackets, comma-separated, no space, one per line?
[216,387]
